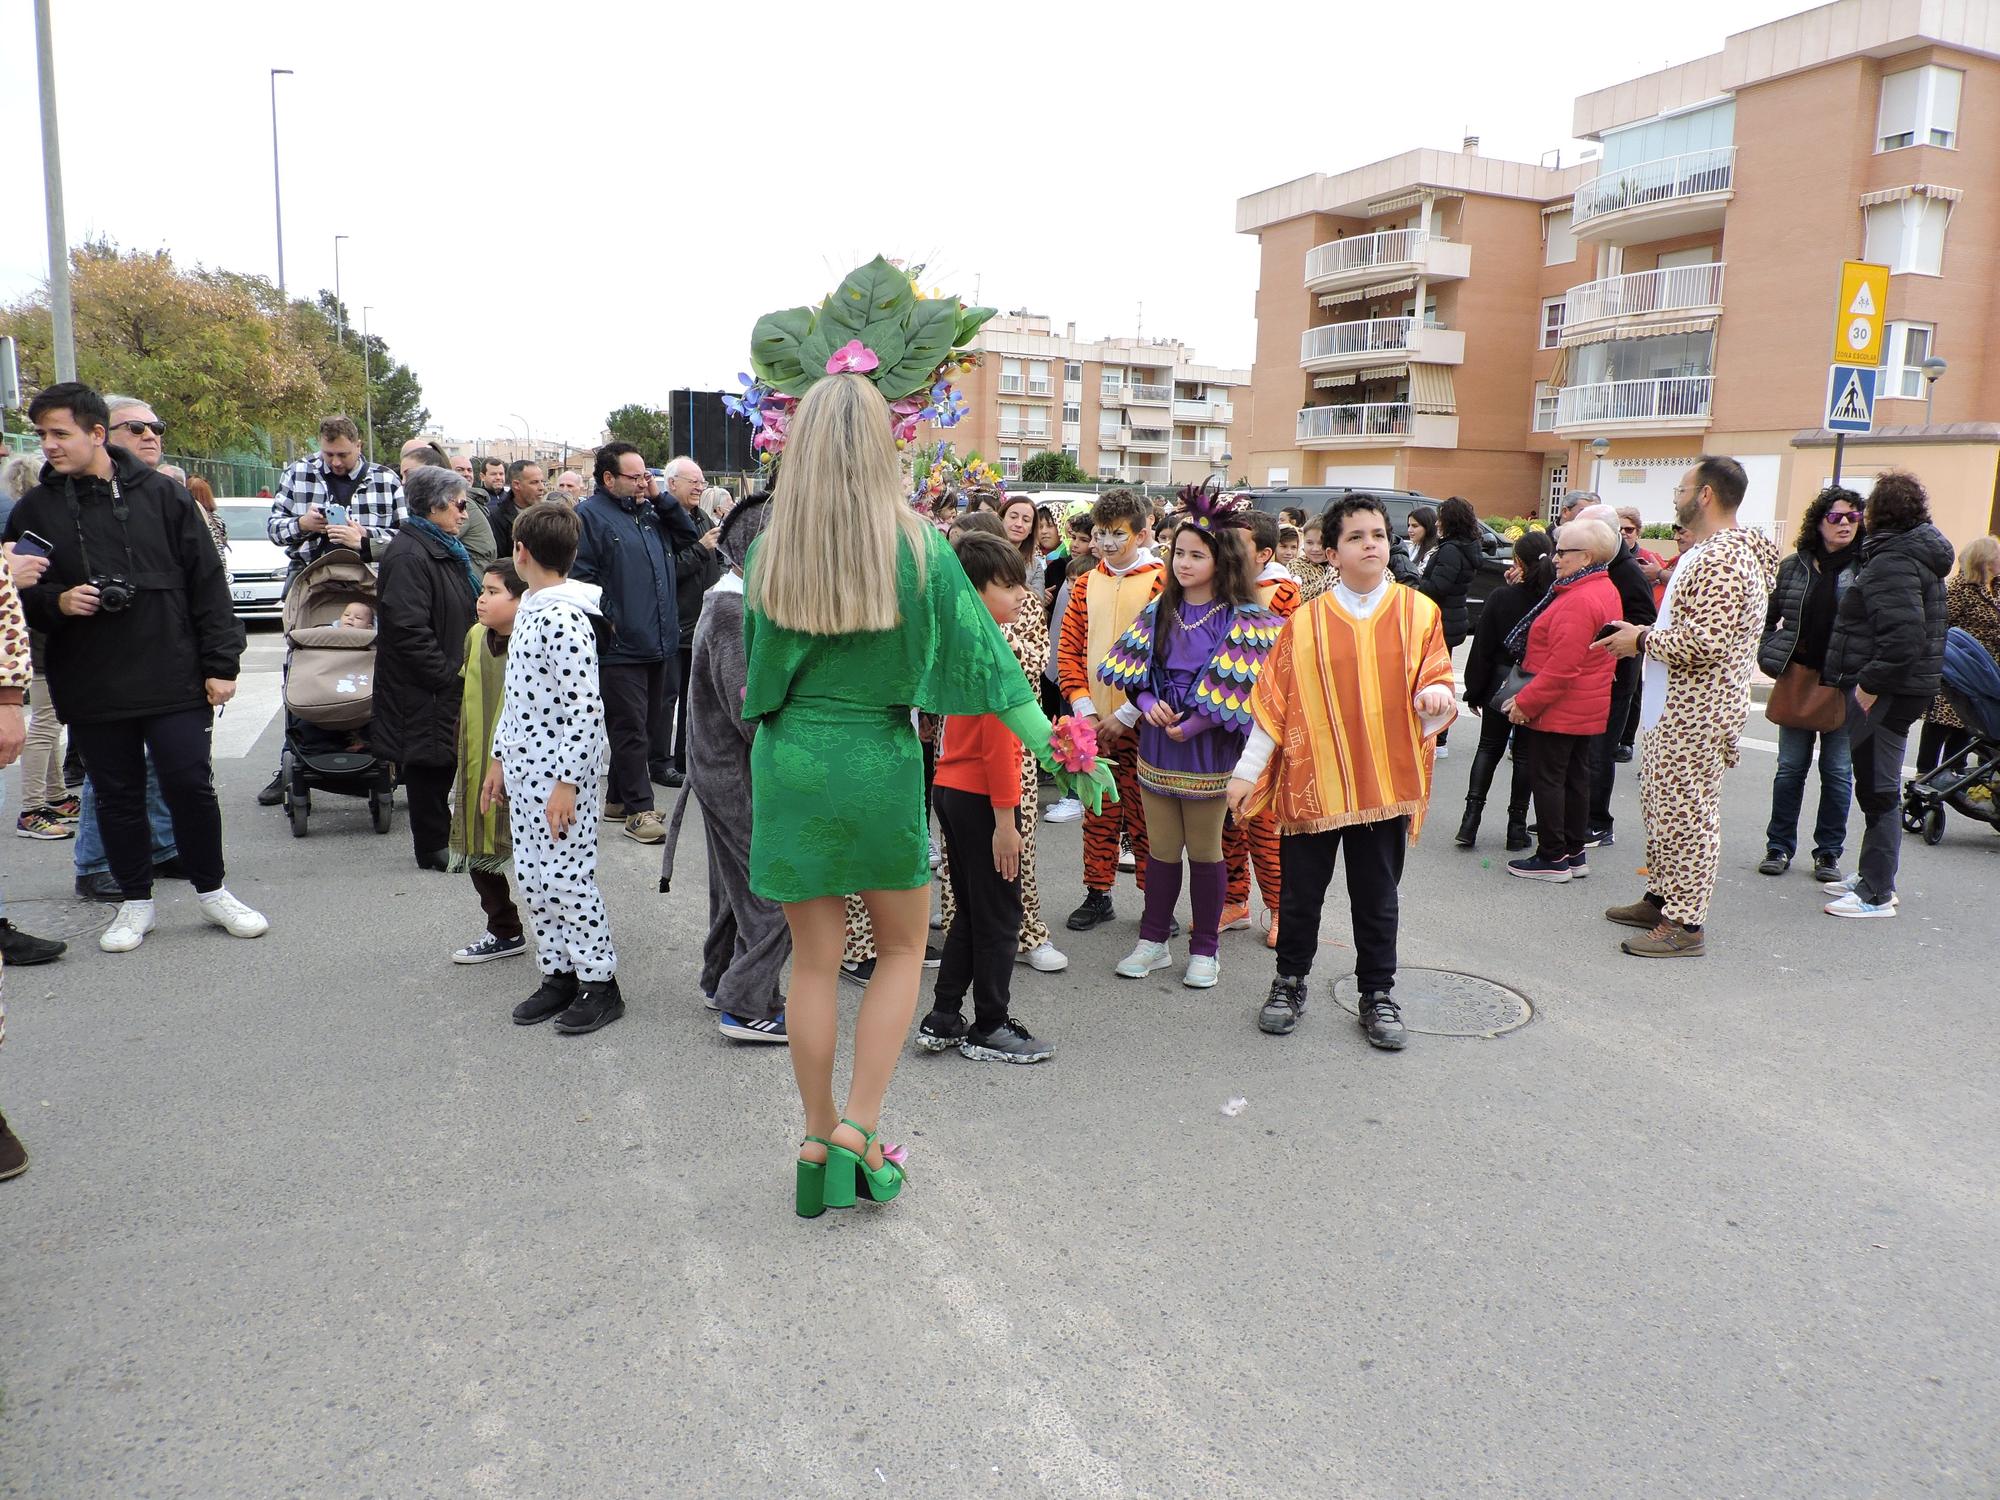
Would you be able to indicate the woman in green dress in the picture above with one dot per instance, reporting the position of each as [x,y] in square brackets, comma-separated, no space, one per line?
[856,613]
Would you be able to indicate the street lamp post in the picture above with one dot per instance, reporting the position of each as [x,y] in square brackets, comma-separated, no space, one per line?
[277,186]
[62,324]
[529,441]
[339,310]
[368,381]
[1598,448]
[1933,369]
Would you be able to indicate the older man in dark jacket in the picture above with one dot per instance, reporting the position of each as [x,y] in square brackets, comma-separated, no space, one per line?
[697,566]
[624,550]
[1635,597]
[143,647]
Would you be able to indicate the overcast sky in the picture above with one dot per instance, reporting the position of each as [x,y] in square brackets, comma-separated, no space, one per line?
[556,209]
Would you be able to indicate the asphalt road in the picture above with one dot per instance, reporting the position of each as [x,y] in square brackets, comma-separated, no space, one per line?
[308,1217]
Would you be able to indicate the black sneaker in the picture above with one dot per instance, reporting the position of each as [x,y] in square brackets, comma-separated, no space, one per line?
[1826,868]
[489,948]
[740,1029]
[933,954]
[23,950]
[1095,912]
[1382,1022]
[1009,1041]
[596,1006]
[1284,1005]
[554,996]
[1622,755]
[941,1031]
[858,973]
[273,792]
[1600,838]
[103,886]
[1776,862]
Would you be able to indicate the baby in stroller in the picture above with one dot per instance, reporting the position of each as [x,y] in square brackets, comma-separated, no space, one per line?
[329,689]
[1967,780]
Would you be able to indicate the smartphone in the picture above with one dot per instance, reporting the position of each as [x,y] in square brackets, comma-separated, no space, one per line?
[1606,630]
[336,515]
[33,546]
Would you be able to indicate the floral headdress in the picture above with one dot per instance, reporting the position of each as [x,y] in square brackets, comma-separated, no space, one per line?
[1206,508]
[877,323]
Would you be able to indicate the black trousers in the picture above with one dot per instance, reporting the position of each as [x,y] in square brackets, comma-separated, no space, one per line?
[1560,764]
[679,752]
[496,899]
[114,757]
[986,927]
[1937,742]
[1603,747]
[1632,714]
[428,789]
[633,700]
[1374,868]
[1494,729]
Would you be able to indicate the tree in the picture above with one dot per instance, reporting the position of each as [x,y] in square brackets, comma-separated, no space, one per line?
[645,429]
[1053,468]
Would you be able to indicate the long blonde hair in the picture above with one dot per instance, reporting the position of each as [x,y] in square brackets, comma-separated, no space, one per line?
[827,564]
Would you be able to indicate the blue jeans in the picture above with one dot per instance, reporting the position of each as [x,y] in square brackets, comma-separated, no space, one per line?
[1836,792]
[90,856]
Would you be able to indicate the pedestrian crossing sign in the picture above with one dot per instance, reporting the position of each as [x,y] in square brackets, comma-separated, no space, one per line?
[1850,398]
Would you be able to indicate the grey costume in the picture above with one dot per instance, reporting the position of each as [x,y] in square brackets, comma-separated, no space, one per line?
[748,940]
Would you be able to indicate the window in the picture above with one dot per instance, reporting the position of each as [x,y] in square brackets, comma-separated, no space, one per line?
[1905,349]
[1277,476]
[1072,369]
[1072,412]
[1010,377]
[1038,377]
[1553,309]
[1072,452]
[1919,108]
[1010,462]
[1545,407]
[1907,235]
[1560,249]
[1704,129]
[1114,381]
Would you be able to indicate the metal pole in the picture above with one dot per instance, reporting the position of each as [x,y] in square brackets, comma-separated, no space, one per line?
[62,322]
[339,310]
[1839,452]
[529,441]
[368,382]
[277,186]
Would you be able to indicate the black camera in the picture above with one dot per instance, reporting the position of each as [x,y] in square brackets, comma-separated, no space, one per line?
[114,594]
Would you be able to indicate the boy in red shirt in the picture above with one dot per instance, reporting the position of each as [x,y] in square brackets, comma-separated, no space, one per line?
[976,794]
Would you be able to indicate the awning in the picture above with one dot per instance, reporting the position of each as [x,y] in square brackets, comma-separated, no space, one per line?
[1559,375]
[1559,208]
[1386,372]
[1914,190]
[1390,205]
[1636,331]
[1328,382]
[1431,390]
[1389,288]
[1333,299]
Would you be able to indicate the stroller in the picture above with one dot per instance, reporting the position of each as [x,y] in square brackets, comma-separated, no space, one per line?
[1968,782]
[329,693]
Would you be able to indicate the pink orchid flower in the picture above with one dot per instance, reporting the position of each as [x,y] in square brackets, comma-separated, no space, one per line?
[852,356]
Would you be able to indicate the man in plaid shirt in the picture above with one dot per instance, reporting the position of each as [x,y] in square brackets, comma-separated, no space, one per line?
[338,475]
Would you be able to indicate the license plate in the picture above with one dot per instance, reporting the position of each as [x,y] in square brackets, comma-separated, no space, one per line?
[243,596]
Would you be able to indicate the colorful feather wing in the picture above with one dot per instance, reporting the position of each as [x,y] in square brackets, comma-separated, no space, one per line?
[1129,662]
[1225,687]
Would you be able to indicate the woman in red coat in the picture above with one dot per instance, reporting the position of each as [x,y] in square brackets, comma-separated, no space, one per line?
[1568,698]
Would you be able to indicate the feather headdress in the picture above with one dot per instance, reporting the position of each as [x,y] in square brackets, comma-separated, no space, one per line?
[1207,508]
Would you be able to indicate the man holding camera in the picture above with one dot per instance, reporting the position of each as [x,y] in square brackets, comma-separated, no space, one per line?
[143,647]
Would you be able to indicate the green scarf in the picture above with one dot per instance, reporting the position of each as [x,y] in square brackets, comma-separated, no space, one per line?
[479,840]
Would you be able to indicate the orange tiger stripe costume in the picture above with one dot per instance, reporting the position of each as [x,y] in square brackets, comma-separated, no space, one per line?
[1101,607]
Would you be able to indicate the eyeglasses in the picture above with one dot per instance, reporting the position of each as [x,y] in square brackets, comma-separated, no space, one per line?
[1629,530]
[461,505]
[1572,552]
[136,427]
[1843,517]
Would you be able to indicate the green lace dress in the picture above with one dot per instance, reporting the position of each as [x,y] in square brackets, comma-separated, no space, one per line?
[836,770]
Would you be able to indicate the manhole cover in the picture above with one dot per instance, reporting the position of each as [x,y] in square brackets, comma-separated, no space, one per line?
[67,920]
[1441,1002]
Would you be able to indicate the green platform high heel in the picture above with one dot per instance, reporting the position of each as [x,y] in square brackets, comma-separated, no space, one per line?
[811,1199]
[848,1174]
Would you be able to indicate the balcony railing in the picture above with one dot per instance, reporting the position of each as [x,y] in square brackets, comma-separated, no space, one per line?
[1369,336]
[1675,289]
[1362,419]
[1186,410]
[1150,440]
[1669,398]
[1150,394]
[1390,247]
[1024,434]
[1111,395]
[1111,439]
[1207,452]
[1144,474]
[1689,175]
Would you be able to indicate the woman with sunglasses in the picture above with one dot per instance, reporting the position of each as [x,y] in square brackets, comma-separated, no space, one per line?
[426,592]
[1796,632]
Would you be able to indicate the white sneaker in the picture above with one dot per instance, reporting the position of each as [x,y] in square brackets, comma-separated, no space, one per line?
[231,915]
[937,855]
[1850,885]
[1045,958]
[129,928]
[1202,971]
[1127,860]
[1146,958]
[1067,810]
[1851,905]
[1444,752]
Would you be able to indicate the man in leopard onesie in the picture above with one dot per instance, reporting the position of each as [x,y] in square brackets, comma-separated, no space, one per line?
[1698,658]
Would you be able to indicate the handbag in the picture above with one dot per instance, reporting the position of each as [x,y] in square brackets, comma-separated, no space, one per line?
[1509,689]
[1799,700]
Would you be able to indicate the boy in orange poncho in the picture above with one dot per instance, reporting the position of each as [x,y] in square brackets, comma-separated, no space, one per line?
[1348,708]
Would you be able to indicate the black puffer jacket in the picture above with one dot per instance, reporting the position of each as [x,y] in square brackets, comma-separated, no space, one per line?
[1487,663]
[1447,581]
[1888,638]
[424,609]
[696,568]
[1796,576]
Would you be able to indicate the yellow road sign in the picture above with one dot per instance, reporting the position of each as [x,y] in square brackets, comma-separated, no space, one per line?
[1857,317]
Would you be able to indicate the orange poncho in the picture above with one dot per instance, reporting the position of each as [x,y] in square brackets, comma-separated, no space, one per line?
[1336,694]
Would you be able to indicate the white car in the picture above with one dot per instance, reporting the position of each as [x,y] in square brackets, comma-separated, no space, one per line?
[257,565]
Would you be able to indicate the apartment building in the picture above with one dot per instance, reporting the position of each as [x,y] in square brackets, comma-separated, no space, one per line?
[1451,323]
[1130,410]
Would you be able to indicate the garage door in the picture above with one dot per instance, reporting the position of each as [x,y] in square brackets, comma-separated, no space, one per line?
[1361,476]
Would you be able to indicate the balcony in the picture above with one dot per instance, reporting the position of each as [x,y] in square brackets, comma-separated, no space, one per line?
[1375,424]
[1656,200]
[1346,346]
[1202,411]
[1149,440]
[1112,439]
[1643,295]
[1142,474]
[1211,453]
[1039,435]
[1341,265]
[1149,395]
[1670,403]
[1111,395]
